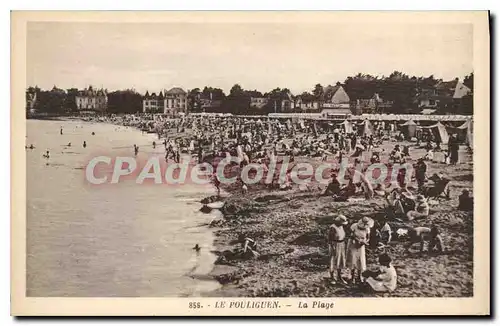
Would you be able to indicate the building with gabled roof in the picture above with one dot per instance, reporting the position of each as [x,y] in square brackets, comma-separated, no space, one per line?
[169,102]
[335,97]
[152,103]
[90,99]
[444,94]
[175,101]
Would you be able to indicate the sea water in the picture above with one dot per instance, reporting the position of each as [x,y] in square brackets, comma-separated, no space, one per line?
[121,240]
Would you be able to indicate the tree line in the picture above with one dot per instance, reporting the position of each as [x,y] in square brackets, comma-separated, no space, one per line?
[400,89]
[60,101]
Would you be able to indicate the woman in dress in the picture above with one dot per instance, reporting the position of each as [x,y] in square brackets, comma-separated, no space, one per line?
[356,255]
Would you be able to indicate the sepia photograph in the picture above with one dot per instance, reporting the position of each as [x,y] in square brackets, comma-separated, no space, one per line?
[237,162]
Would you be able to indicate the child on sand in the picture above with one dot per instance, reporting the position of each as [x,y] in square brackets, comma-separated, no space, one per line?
[429,156]
[336,247]
[385,233]
[385,278]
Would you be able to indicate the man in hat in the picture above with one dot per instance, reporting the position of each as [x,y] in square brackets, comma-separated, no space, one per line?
[337,247]
[421,209]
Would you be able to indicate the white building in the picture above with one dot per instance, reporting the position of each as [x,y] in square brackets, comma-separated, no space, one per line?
[171,102]
[92,100]
[175,101]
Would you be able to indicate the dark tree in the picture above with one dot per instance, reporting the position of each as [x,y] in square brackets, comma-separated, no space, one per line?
[469,81]
[212,93]
[71,99]
[126,101]
[238,101]
[318,91]
[193,99]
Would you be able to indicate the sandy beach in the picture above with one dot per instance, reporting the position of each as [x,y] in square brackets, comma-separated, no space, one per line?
[290,227]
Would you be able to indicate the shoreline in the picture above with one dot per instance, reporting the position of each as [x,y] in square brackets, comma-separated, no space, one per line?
[289,227]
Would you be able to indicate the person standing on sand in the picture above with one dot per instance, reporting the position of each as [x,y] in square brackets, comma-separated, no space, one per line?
[216,183]
[420,173]
[337,248]
[453,149]
[356,253]
[200,154]
[366,186]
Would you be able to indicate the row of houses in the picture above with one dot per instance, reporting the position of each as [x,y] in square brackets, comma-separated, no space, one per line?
[333,100]
[175,100]
[336,100]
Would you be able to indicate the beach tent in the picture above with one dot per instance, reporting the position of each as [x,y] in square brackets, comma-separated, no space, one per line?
[347,126]
[439,131]
[466,132]
[409,129]
[366,128]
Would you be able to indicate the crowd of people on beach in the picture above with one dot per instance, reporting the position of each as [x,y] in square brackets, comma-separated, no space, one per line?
[263,141]
[255,141]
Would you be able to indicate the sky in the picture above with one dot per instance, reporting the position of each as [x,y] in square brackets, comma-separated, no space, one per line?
[157,56]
